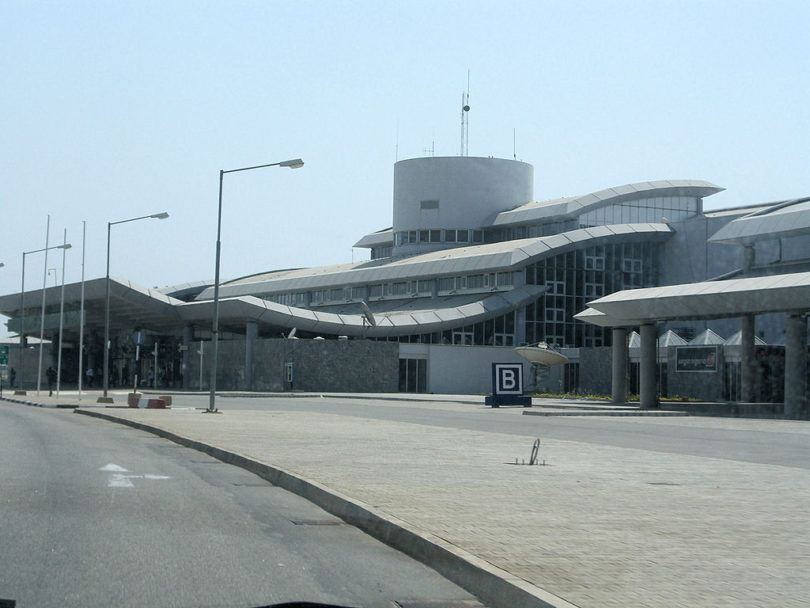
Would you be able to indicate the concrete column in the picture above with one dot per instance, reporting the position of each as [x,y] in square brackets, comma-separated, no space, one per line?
[619,365]
[188,338]
[795,364]
[747,365]
[648,387]
[520,326]
[251,333]
[748,258]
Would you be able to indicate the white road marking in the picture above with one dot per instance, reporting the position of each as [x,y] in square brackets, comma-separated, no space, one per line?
[119,480]
[114,467]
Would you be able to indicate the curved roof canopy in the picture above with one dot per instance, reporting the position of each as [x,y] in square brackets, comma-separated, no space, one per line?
[388,324]
[574,206]
[705,300]
[492,257]
[381,238]
[790,218]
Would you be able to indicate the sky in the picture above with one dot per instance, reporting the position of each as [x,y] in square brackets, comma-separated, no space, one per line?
[115,110]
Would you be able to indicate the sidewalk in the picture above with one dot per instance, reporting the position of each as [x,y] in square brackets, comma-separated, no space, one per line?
[598,526]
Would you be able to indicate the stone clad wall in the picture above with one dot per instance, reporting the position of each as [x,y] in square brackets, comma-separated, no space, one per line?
[595,372]
[360,366]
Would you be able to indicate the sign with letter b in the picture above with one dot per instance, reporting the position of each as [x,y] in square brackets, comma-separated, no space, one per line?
[507,379]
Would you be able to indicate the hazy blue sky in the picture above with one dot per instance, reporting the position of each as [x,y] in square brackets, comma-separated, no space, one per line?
[111,110]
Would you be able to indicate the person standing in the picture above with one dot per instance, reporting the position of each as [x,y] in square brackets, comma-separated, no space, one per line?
[89,375]
[12,374]
[51,374]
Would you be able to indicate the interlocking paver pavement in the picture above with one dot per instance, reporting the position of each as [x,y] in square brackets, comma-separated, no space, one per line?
[599,525]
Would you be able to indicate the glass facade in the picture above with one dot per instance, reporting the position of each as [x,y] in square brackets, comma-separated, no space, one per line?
[643,210]
[662,208]
[573,279]
[493,281]
[499,331]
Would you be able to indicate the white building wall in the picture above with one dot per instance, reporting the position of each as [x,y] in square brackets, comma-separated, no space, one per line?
[470,191]
[466,369]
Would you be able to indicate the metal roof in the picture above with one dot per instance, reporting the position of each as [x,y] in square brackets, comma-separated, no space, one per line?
[446,262]
[380,238]
[447,315]
[790,218]
[134,305]
[705,300]
[574,206]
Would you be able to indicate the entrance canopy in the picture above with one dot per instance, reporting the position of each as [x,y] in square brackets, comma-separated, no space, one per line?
[706,300]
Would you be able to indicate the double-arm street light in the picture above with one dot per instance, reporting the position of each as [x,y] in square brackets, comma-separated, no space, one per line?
[156,216]
[295,163]
[22,305]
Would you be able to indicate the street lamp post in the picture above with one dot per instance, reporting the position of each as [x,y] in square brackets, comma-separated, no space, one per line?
[157,216]
[295,163]
[22,307]
[61,321]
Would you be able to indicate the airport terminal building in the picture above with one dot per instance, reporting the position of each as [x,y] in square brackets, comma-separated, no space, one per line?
[471,267]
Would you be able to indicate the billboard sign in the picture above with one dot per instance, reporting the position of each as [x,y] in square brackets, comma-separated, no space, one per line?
[696,358]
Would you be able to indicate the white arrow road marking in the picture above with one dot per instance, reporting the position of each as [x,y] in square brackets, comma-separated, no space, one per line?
[119,480]
[114,467]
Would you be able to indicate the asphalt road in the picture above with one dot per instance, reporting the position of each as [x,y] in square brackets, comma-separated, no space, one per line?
[95,514]
[715,438]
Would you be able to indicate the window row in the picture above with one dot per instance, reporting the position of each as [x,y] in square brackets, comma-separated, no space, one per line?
[528,231]
[499,331]
[381,252]
[407,237]
[417,288]
[652,210]
[475,281]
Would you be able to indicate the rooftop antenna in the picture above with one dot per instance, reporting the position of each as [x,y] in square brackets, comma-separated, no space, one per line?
[465,130]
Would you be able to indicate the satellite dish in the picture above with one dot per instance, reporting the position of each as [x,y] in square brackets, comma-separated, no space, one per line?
[292,333]
[368,314]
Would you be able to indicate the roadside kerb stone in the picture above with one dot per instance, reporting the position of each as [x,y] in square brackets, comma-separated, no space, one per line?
[494,586]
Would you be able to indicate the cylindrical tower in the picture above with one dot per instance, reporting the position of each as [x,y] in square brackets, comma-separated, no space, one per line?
[442,202]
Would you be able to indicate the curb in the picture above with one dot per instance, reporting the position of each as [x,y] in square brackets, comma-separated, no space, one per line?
[35,404]
[493,586]
[307,395]
[607,413]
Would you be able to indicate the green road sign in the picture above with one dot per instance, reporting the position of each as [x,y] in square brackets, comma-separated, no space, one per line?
[4,354]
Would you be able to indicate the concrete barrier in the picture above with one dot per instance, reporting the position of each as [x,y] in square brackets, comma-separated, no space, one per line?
[145,402]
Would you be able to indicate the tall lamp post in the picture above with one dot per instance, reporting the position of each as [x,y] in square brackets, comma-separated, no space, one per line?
[295,163]
[22,306]
[157,216]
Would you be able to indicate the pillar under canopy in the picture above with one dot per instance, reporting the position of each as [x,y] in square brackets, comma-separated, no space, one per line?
[188,337]
[619,365]
[747,362]
[647,369]
[795,364]
[251,333]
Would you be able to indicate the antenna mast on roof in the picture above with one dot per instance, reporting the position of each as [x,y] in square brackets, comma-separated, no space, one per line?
[465,126]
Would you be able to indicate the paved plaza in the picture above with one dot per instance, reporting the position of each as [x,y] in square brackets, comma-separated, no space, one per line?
[597,526]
